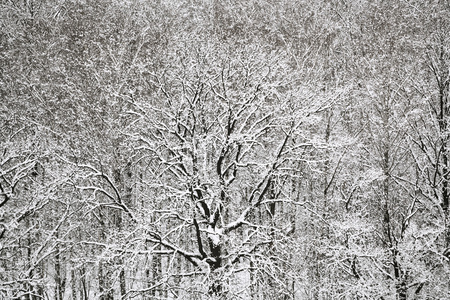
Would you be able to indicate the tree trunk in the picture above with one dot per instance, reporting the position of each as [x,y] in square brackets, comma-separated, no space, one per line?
[84,291]
[60,282]
[123,287]
[400,286]
[105,289]
[156,271]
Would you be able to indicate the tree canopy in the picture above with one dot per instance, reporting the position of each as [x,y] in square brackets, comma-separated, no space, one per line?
[224,149]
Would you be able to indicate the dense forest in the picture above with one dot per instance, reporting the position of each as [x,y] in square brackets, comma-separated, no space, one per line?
[224,149]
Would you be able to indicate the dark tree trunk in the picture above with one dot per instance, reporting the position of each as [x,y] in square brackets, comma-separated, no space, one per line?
[123,288]
[60,281]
